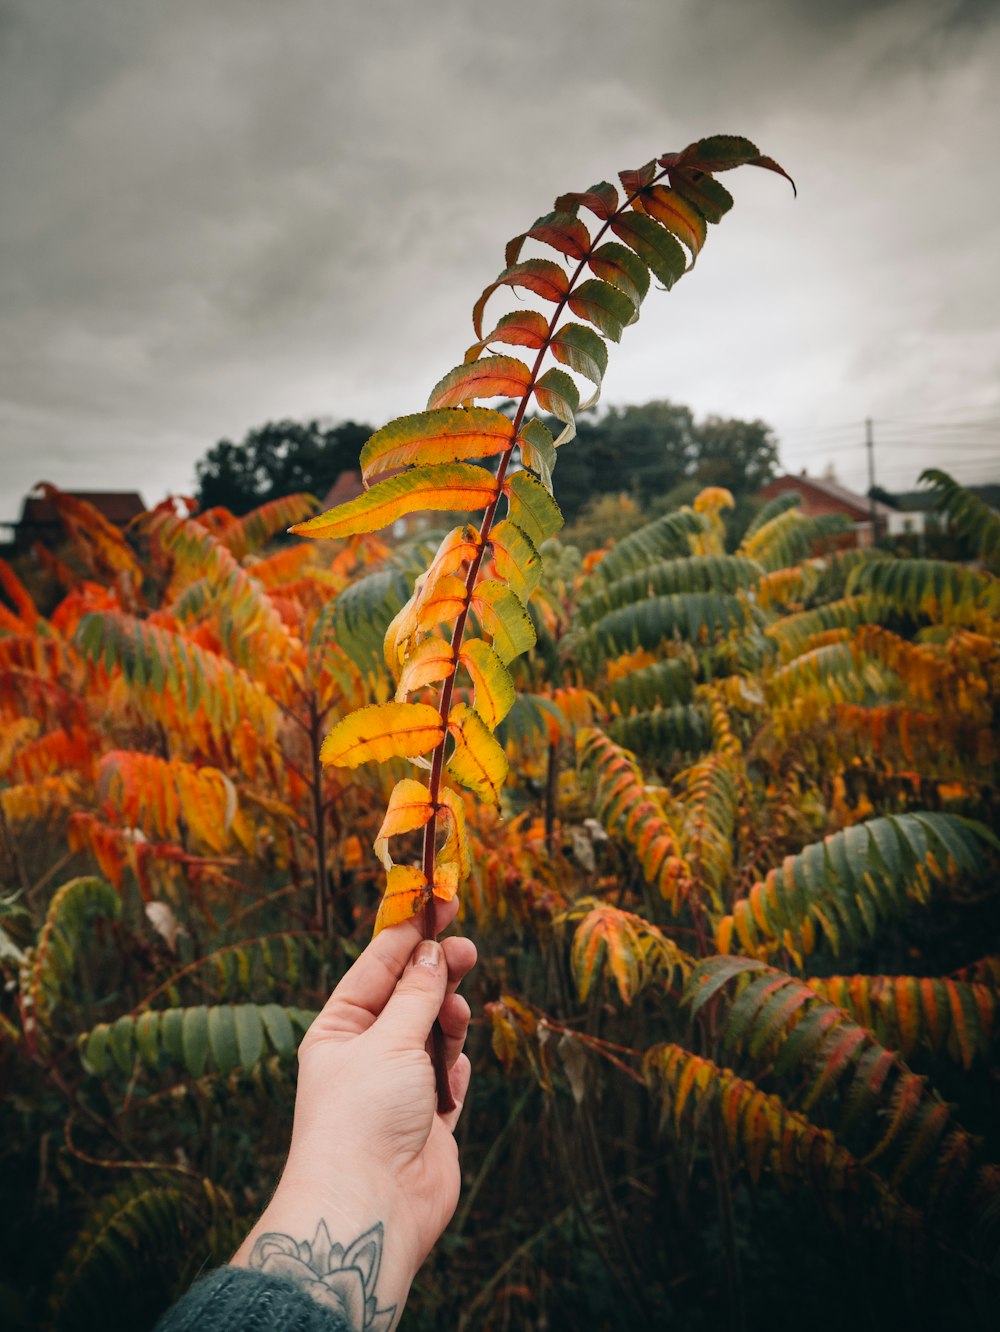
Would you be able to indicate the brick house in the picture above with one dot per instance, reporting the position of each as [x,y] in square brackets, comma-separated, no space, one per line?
[821,495]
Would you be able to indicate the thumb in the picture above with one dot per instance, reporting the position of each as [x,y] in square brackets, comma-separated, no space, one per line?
[416,1001]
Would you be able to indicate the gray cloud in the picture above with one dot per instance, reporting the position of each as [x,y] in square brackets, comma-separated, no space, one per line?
[214,214]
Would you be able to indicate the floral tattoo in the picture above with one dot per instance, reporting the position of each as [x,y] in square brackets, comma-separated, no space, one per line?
[342,1280]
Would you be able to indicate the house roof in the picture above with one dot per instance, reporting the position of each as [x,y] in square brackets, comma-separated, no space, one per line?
[347,486]
[831,490]
[118,506]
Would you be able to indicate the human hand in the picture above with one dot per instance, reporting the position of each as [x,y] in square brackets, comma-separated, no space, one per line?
[368,1148]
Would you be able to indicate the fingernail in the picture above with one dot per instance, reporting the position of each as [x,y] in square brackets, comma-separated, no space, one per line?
[427,954]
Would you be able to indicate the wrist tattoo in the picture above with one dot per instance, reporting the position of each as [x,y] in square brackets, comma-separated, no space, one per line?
[341,1279]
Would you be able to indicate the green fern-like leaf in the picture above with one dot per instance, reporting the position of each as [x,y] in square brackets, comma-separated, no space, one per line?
[789,537]
[966,513]
[663,683]
[72,910]
[223,1036]
[945,1016]
[694,573]
[137,1250]
[682,731]
[845,885]
[165,672]
[663,538]
[831,1062]
[950,594]
[698,618]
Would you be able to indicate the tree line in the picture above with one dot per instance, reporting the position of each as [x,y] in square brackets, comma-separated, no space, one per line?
[646,451]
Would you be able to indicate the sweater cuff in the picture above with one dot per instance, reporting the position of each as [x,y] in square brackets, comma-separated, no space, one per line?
[235,1297]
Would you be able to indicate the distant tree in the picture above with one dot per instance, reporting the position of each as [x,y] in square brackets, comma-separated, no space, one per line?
[279,458]
[740,455]
[655,449]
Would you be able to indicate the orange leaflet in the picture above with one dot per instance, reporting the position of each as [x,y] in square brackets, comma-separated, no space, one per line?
[409,808]
[406,893]
[461,544]
[447,435]
[445,601]
[541,276]
[382,731]
[490,377]
[601,199]
[456,846]
[520,328]
[430,661]
[449,486]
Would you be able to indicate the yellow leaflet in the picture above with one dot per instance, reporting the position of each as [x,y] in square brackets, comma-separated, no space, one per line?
[532,507]
[448,435]
[409,808]
[461,544]
[429,662]
[478,761]
[406,893]
[504,619]
[382,731]
[517,561]
[446,875]
[456,846]
[495,692]
[447,486]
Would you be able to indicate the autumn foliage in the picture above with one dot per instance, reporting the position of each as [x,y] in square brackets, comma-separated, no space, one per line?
[718,814]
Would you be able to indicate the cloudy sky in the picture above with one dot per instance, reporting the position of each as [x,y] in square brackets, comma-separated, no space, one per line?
[219,213]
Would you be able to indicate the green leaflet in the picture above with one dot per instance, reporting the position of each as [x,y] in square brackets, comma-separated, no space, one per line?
[556,393]
[532,508]
[71,912]
[504,618]
[538,450]
[602,305]
[582,350]
[723,152]
[622,268]
[195,1039]
[711,199]
[516,558]
[654,245]
[494,688]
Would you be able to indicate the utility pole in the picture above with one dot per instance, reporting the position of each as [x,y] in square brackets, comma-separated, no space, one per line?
[870,446]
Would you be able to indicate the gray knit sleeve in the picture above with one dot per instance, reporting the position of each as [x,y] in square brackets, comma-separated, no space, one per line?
[235,1299]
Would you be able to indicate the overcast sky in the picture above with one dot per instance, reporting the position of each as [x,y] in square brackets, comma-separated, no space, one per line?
[219,213]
